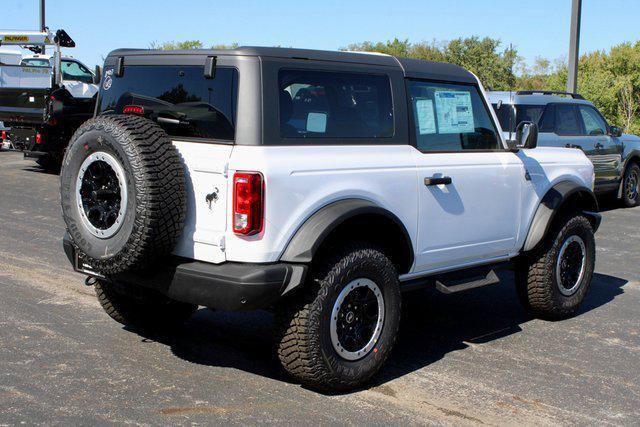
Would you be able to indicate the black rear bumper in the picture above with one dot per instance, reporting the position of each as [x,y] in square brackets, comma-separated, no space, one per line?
[229,286]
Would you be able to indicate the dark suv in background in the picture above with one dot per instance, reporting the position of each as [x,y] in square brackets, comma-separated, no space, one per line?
[568,120]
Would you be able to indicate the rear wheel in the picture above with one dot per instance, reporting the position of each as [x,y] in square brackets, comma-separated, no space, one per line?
[339,333]
[137,306]
[631,186]
[553,280]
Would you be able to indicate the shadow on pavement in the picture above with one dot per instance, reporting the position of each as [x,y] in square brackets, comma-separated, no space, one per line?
[40,169]
[433,325]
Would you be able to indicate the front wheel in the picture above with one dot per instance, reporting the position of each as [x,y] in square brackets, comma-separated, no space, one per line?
[339,333]
[553,280]
[631,186]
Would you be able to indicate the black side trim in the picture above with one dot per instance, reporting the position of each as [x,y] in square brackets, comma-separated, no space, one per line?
[549,206]
[312,233]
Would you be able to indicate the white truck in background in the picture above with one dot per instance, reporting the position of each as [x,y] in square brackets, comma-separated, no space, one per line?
[8,57]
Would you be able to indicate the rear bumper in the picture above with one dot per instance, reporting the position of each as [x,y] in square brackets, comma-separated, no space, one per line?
[229,286]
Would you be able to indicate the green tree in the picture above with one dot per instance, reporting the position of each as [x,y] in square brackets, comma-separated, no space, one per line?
[188,44]
[483,57]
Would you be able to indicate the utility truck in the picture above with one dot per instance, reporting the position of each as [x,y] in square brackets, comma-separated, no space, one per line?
[43,99]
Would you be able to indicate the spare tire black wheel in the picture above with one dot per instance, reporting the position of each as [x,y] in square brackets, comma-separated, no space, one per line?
[122,188]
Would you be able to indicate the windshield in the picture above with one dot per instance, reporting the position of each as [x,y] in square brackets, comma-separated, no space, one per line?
[509,119]
[36,62]
[72,70]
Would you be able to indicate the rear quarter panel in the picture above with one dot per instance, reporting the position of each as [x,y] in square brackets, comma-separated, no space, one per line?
[299,180]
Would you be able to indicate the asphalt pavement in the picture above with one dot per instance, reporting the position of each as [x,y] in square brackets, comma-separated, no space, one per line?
[471,358]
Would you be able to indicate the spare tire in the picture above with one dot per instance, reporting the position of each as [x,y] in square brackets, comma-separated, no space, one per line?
[122,188]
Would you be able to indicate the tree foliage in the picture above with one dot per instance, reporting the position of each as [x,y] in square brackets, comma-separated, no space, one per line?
[188,44]
[483,57]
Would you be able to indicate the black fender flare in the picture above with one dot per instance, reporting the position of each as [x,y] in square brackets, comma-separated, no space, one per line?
[308,238]
[551,203]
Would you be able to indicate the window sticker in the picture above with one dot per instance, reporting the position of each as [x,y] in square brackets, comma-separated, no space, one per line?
[455,114]
[426,118]
[317,122]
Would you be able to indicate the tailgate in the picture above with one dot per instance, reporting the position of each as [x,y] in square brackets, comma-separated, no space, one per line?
[24,93]
[206,220]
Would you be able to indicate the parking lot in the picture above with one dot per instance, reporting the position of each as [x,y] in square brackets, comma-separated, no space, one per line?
[475,358]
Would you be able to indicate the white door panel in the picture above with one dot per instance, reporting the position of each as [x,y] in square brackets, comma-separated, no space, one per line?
[206,222]
[476,217]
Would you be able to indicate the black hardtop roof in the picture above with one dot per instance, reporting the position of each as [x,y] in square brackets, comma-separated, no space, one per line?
[414,68]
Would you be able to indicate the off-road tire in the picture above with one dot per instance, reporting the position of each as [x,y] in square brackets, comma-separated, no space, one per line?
[303,337]
[631,173]
[537,285]
[137,306]
[155,185]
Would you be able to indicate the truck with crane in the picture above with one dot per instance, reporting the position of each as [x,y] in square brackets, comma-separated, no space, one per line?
[44,98]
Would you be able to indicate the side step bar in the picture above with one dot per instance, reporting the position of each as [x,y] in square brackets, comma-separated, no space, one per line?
[465,284]
[458,281]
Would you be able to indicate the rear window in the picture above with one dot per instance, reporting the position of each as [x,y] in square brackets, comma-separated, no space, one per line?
[319,104]
[179,98]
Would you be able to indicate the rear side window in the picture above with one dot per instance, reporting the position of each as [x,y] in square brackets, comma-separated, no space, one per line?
[319,104]
[179,98]
[567,120]
[548,120]
[450,117]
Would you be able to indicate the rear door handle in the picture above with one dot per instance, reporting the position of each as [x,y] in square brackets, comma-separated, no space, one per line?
[441,180]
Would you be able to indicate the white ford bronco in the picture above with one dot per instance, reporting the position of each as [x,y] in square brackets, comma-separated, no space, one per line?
[320,184]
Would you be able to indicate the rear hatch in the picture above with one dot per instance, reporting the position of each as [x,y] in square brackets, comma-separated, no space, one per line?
[199,114]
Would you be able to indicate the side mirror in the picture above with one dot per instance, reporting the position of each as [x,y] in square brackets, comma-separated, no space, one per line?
[615,131]
[527,135]
[97,75]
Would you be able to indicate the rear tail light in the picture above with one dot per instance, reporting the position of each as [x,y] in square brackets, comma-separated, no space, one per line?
[38,138]
[133,109]
[4,135]
[248,203]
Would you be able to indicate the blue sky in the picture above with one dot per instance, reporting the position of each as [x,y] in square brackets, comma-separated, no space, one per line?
[536,28]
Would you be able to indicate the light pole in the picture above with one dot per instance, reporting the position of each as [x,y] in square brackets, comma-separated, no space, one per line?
[574,46]
[42,24]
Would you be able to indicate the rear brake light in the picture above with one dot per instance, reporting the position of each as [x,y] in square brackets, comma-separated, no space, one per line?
[133,109]
[248,203]
[38,138]
[4,135]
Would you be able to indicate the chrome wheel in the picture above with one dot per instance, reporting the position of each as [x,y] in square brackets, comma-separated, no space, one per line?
[632,185]
[357,319]
[101,192]
[571,265]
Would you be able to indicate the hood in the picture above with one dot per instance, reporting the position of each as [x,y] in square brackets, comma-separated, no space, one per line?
[629,139]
